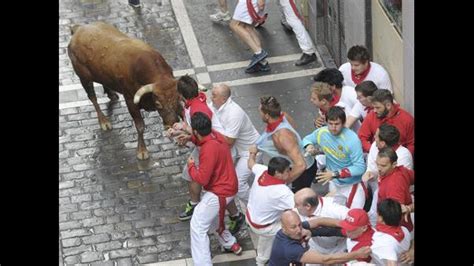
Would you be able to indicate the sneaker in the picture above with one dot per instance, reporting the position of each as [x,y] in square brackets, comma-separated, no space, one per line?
[135,4]
[257,58]
[285,25]
[219,16]
[236,223]
[258,68]
[306,59]
[187,213]
[236,249]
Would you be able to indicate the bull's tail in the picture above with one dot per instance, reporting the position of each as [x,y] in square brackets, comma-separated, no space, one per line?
[74,28]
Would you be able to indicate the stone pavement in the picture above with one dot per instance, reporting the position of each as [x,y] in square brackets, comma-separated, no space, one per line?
[114,209]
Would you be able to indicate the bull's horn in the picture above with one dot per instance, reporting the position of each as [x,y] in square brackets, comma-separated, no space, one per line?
[145,89]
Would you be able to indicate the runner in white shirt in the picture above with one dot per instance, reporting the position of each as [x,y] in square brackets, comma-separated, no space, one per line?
[364,91]
[360,68]
[309,206]
[385,136]
[345,96]
[269,197]
[390,239]
[241,133]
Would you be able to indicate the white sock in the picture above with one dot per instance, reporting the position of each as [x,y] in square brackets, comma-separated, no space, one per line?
[193,202]
[259,51]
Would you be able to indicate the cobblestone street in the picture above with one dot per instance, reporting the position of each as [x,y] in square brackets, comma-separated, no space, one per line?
[113,208]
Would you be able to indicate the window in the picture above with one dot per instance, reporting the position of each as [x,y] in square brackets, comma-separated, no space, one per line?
[393,8]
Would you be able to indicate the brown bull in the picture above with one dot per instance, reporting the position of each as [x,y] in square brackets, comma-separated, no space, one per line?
[102,54]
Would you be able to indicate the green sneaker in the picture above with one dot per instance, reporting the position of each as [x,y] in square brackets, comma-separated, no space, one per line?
[187,213]
[236,223]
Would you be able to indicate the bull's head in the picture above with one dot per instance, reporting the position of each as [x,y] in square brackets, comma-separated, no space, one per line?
[166,100]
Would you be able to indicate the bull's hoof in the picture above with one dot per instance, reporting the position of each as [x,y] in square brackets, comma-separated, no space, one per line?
[105,125]
[143,155]
[113,97]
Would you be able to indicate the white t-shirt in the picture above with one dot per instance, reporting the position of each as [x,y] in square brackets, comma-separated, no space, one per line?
[328,208]
[237,125]
[404,158]
[355,127]
[358,111]
[377,74]
[349,97]
[216,124]
[266,203]
[386,247]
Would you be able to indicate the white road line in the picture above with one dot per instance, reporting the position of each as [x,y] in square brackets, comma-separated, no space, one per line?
[178,73]
[188,34]
[78,86]
[240,64]
[237,82]
[274,77]
[87,102]
[246,254]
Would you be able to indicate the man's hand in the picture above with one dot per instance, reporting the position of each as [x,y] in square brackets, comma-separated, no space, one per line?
[190,160]
[261,5]
[320,121]
[406,211]
[408,256]
[367,176]
[363,252]
[253,149]
[324,177]
[306,234]
[183,138]
[311,150]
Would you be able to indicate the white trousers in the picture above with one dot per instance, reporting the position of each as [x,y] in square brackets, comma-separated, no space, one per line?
[343,192]
[205,219]
[264,237]
[243,175]
[302,35]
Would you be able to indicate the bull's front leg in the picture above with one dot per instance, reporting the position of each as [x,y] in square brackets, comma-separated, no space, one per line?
[142,152]
[89,88]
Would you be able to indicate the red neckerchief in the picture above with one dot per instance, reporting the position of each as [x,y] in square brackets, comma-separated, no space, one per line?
[359,78]
[267,180]
[395,231]
[335,99]
[271,126]
[364,240]
[200,98]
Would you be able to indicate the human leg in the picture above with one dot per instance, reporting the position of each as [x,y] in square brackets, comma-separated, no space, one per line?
[204,216]
[264,237]
[223,13]
[194,189]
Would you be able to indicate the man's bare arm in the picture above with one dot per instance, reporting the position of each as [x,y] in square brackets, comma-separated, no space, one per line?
[287,144]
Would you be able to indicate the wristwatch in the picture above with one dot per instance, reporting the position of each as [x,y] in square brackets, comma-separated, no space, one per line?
[335,174]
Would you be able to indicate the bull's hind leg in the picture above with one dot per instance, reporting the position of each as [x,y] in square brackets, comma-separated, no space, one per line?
[103,121]
[113,96]
[134,110]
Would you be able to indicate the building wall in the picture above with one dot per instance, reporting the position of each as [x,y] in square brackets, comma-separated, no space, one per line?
[408,9]
[388,49]
[354,23]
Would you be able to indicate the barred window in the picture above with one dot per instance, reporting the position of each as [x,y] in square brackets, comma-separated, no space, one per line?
[393,8]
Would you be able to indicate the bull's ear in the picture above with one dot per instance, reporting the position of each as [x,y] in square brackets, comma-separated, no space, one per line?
[158,104]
